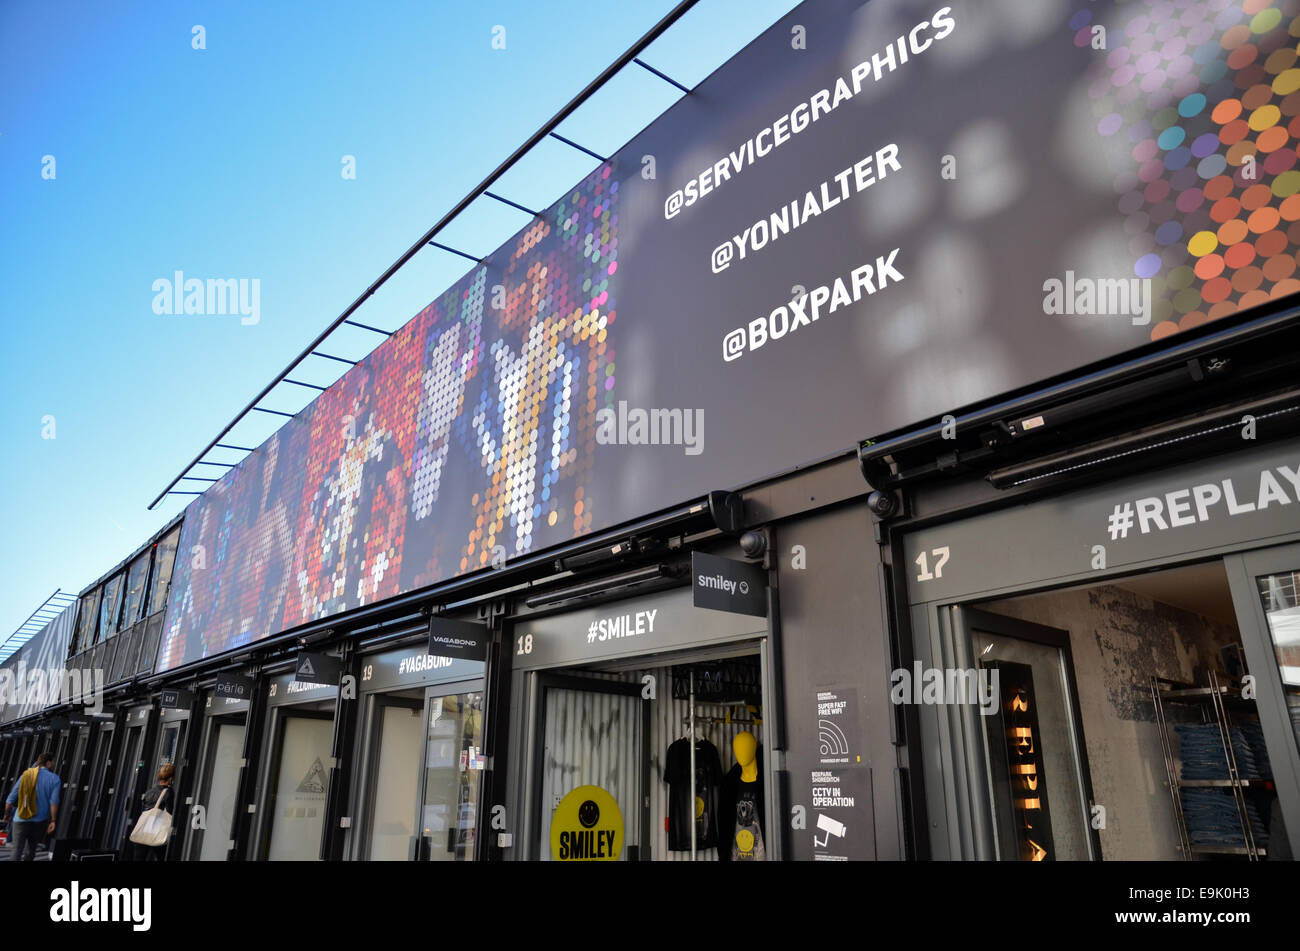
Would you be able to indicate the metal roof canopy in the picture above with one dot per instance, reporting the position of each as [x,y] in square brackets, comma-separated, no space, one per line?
[49,609]
[630,56]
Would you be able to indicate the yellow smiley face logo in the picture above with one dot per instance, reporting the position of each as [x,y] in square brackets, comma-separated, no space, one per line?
[745,841]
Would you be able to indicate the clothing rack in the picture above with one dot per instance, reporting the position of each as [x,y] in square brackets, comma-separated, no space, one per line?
[692,718]
[725,721]
[694,740]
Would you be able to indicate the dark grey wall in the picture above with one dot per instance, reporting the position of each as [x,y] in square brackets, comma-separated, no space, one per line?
[833,636]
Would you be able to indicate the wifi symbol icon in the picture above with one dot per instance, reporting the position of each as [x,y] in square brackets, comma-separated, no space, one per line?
[832,739]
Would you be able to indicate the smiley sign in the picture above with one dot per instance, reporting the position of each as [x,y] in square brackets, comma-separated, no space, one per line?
[587,827]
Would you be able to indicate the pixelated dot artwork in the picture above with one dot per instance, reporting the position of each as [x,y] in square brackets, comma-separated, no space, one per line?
[464,440]
[1199,103]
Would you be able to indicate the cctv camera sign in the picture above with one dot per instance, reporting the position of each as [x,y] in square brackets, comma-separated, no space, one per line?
[840,814]
[840,817]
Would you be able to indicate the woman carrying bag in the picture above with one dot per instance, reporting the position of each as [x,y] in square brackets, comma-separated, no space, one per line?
[154,827]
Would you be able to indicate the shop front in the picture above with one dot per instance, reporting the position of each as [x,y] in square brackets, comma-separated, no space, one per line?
[212,809]
[1113,672]
[638,731]
[122,777]
[73,768]
[420,757]
[297,755]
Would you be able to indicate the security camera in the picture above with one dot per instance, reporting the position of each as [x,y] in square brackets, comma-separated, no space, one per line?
[753,544]
[882,504]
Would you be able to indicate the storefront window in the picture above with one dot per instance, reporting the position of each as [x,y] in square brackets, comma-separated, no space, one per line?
[87,620]
[1281,604]
[298,809]
[136,578]
[222,790]
[396,780]
[164,559]
[453,771]
[592,739]
[110,607]
[167,749]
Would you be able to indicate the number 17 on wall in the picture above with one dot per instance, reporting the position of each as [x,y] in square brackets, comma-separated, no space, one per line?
[940,556]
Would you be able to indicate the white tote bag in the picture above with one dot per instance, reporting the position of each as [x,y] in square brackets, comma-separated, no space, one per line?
[154,826]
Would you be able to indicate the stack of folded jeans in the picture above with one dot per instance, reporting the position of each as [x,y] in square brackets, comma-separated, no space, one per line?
[1253,734]
[1201,751]
[1212,819]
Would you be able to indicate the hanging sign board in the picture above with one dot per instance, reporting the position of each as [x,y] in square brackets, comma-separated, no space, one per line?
[233,687]
[726,585]
[174,698]
[315,668]
[462,639]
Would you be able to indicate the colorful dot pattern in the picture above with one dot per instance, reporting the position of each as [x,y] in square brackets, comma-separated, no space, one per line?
[1200,102]
[466,438]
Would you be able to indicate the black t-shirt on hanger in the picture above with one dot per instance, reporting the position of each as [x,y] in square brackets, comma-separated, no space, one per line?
[677,774]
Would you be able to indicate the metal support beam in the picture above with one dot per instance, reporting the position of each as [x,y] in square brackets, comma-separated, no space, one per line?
[357,323]
[328,356]
[598,158]
[512,204]
[312,386]
[451,250]
[668,79]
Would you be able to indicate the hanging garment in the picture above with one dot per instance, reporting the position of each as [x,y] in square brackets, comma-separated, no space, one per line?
[708,775]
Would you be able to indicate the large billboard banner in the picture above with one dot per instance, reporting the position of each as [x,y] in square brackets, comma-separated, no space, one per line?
[34,676]
[876,214]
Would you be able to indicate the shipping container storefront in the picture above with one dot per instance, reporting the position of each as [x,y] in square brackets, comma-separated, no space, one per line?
[125,775]
[297,754]
[419,757]
[606,700]
[1131,651]
[220,767]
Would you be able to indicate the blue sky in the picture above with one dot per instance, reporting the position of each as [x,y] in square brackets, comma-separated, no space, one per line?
[226,162]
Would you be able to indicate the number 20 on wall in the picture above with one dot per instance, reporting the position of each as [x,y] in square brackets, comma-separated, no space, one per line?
[940,556]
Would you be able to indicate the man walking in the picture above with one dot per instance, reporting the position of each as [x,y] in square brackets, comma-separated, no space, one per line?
[36,797]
